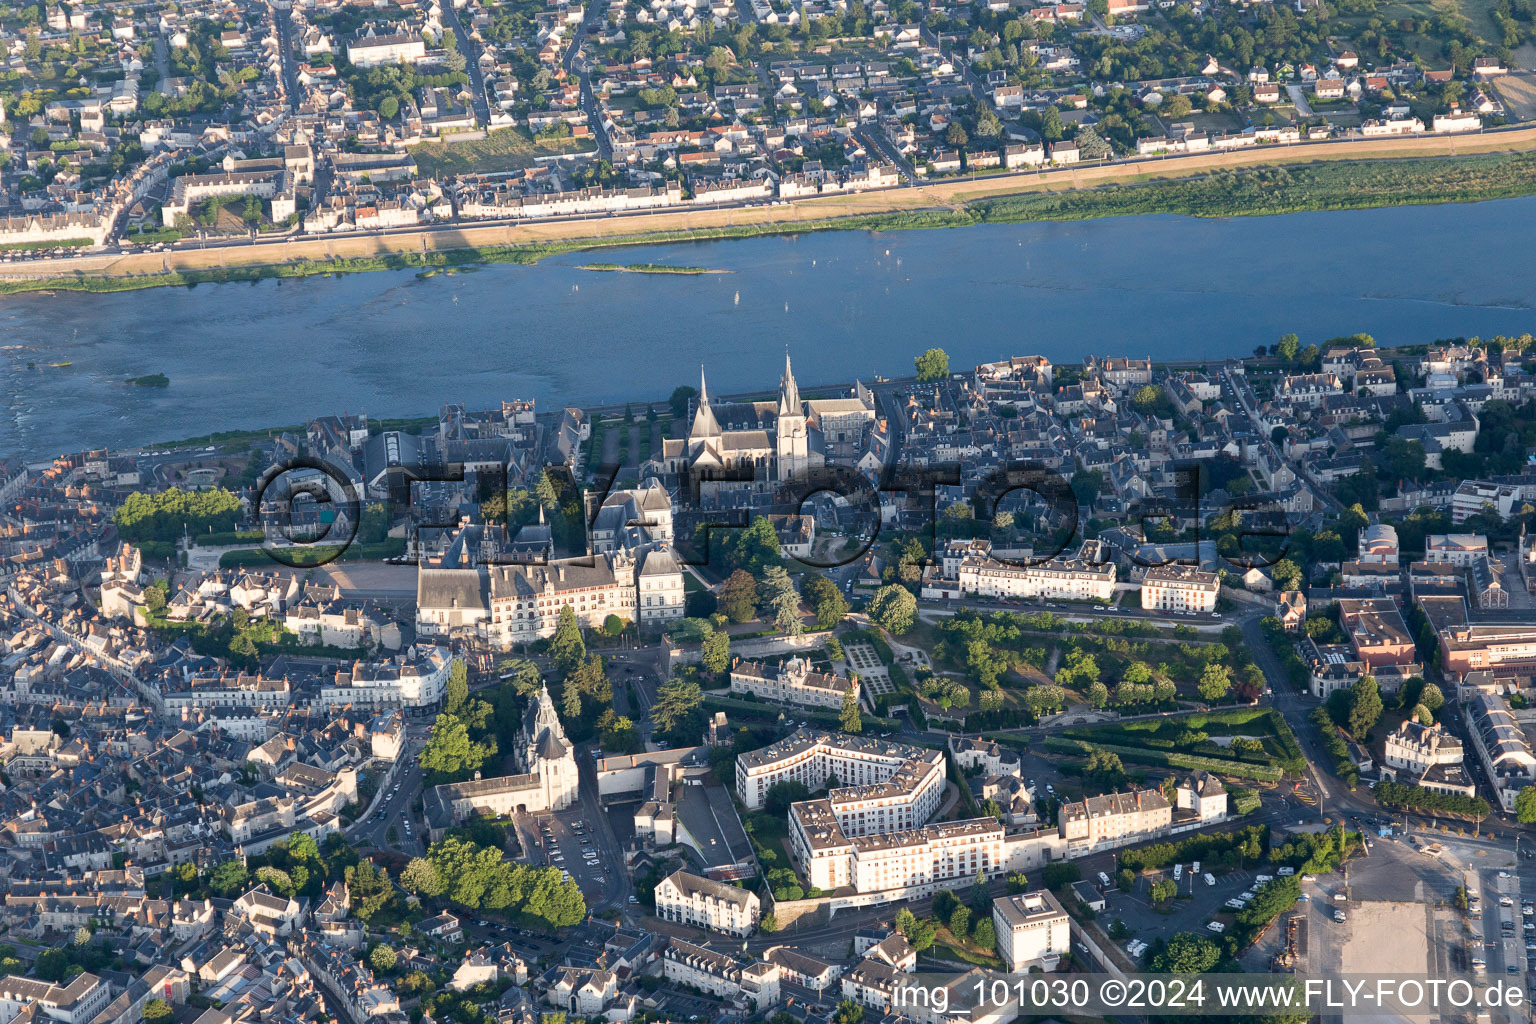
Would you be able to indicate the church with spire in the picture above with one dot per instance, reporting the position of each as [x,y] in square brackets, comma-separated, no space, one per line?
[760,445]
[545,753]
[547,781]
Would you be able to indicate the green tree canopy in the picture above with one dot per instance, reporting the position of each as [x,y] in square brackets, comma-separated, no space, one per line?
[894,609]
[933,364]
[676,699]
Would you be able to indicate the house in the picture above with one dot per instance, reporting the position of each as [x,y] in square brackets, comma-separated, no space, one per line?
[444,926]
[1292,610]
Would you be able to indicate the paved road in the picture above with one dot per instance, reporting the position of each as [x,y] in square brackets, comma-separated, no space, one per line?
[471,54]
[1299,98]
[394,811]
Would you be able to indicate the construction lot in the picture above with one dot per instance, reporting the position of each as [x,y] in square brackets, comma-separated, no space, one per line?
[1401,917]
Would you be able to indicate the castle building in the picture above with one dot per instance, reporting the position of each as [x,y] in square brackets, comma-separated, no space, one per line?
[793,682]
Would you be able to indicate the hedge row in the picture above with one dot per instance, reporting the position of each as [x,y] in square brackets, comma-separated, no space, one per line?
[1395,794]
[1187,762]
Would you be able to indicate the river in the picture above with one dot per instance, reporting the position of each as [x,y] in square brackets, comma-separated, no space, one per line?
[845,304]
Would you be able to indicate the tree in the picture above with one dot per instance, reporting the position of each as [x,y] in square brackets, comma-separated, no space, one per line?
[1051,126]
[456,691]
[302,847]
[1214,682]
[1287,348]
[675,701]
[849,718]
[1164,890]
[933,364]
[985,934]
[450,751]
[1105,767]
[613,625]
[919,933]
[1525,805]
[420,877]
[825,599]
[229,878]
[960,922]
[893,608]
[779,595]
[768,924]
[848,1012]
[1365,706]
[157,1011]
[715,651]
[276,879]
[1098,695]
[567,649]
[382,958]
[738,596]
[1045,699]
[1404,459]
[1287,574]
[1187,953]
[1431,697]
[51,965]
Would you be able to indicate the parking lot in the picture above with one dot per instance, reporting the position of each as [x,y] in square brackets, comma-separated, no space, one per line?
[1197,903]
[566,840]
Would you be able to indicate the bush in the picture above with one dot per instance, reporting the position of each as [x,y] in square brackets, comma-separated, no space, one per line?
[1188,762]
[1055,876]
[1251,841]
[1396,794]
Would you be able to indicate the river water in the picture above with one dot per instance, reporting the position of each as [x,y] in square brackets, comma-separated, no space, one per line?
[845,304]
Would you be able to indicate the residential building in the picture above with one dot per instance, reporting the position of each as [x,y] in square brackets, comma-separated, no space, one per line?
[685,898]
[1179,588]
[1032,930]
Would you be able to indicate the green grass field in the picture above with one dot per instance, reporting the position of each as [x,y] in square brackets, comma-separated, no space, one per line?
[505,149]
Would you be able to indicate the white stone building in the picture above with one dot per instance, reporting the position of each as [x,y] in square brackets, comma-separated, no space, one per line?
[685,898]
[1032,930]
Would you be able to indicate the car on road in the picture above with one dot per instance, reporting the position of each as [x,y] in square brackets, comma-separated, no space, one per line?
[634,899]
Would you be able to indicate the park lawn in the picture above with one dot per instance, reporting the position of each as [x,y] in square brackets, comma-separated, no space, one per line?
[504,149]
[946,945]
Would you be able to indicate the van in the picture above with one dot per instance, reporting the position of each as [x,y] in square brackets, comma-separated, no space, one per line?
[1103,878]
[1178,872]
[1261,879]
[1195,868]
[1217,927]
[1210,879]
[1285,872]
